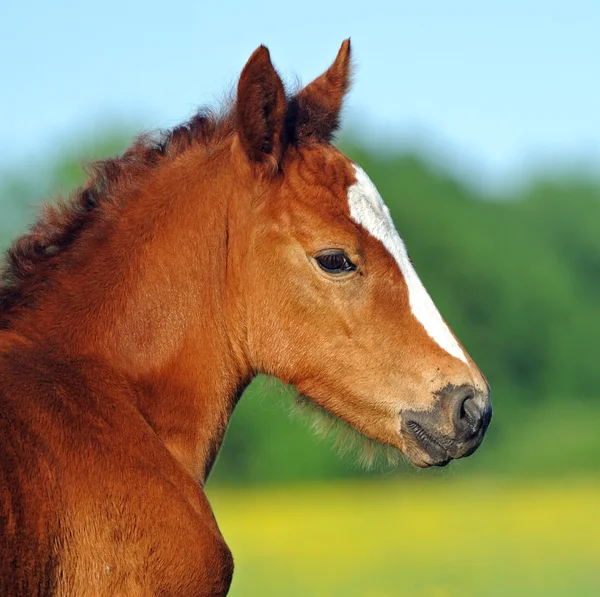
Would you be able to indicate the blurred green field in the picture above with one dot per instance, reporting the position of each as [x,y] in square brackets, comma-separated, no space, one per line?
[422,537]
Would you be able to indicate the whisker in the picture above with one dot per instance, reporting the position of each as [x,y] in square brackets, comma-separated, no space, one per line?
[365,453]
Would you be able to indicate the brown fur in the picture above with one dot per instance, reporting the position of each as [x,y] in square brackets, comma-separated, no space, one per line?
[133,316]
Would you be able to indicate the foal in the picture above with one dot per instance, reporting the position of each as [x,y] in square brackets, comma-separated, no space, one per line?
[133,317]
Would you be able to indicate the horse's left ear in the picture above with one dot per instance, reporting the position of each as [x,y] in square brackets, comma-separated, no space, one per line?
[314,113]
[260,110]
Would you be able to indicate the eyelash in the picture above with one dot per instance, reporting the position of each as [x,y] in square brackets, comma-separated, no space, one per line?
[335,262]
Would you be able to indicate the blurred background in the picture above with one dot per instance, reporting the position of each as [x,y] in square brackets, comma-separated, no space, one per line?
[480,125]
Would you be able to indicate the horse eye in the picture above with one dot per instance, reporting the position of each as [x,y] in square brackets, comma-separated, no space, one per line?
[335,261]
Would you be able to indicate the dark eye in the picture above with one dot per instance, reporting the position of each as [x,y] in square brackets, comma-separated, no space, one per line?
[335,261]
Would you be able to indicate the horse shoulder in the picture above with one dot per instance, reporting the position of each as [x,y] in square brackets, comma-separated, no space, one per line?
[92,502]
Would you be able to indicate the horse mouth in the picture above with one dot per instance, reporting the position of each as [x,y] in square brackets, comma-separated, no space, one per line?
[434,448]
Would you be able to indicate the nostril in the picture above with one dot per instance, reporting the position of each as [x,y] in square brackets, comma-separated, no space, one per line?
[464,410]
[467,409]
[470,413]
[468,418]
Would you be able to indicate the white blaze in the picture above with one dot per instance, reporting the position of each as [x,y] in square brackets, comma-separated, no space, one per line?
[368,209]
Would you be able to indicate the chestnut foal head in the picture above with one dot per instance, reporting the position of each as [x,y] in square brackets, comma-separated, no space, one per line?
[242,245]
[333,304]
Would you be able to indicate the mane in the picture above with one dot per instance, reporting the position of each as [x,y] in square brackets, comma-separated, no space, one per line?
[33,255]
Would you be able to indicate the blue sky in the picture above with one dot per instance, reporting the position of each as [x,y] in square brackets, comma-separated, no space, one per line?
[495,85]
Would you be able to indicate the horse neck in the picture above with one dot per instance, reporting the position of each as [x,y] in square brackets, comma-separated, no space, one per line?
[146,292]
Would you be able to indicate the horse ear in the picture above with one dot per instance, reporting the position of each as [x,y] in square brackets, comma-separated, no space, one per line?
[316,109]
[260,109]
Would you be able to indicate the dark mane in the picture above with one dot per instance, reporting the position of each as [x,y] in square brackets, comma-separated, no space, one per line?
[34,254]
[31,257]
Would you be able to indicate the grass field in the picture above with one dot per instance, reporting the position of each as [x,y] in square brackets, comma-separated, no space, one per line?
[418,537]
